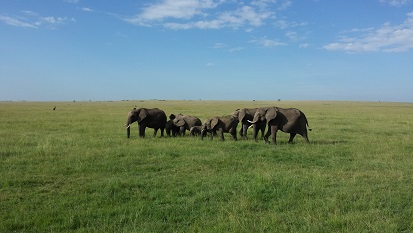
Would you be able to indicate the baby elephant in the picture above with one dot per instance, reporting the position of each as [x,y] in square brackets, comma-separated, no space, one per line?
[195,130]
[226,124]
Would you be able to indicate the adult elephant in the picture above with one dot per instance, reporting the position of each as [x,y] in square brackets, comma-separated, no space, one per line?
[245,115]
[226,124]
[146,117]
[185,122]
[288,120]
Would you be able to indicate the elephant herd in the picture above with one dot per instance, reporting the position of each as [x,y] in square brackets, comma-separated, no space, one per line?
[288,120]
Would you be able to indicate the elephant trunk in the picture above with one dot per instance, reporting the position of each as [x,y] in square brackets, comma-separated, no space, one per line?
[127,125]
[128,130]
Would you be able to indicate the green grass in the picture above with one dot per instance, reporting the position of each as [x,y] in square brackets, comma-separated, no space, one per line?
[73,169]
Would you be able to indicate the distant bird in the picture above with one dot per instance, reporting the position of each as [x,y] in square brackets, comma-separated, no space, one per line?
[54,108]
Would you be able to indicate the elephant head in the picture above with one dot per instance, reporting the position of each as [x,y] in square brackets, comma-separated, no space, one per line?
[135,115]
[206,128]
[240,114]
[179,120]
[264,114]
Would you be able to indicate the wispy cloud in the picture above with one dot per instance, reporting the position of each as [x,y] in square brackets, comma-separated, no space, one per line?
[87,9]
[266,42]
[236,49]
[12,21]
[396,3]
[34,20]
[197,14]
[71,1]
[219,45]
[387,38]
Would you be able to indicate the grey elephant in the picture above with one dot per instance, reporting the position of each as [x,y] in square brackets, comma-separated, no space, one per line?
[195,130]
[151,118]
[245,115]
[170,128]
[185,122]
[226,124]
[288,120]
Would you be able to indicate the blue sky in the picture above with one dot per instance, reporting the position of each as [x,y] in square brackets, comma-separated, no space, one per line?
[54,50]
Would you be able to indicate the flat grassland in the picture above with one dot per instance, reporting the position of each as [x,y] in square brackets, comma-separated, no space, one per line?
[73,169]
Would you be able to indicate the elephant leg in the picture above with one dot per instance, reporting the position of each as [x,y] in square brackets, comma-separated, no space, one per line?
[221,134]
[182,131]
[305,136]
[255,132]
[155,131]
[292,135]
[162,129]
[234,134]
[142,131]
[274,130]
[245,134]
[267,135]
[241,132]
[262,132]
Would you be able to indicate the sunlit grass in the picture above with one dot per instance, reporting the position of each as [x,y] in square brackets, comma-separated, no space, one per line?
[73,169]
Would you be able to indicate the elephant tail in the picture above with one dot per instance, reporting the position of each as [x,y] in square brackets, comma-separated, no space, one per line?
[306,121]
[310,129]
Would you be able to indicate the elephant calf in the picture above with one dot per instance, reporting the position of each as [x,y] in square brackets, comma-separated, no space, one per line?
[195,130]
[170,128]
[226,124]
[185,122]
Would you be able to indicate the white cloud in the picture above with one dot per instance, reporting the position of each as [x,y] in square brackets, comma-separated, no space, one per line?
[190,14]
[71,1]
[219,45]
[236,49]
[396,3]
[87,9]
[264,41]
[35,21]
[284,24]
[30,13]
[243,16]
[177,9]
[16,22]
[387,38]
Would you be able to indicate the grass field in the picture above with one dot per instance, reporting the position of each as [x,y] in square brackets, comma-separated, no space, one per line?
[73,169]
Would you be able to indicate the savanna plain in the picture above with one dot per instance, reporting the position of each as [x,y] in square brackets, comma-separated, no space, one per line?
[74,170]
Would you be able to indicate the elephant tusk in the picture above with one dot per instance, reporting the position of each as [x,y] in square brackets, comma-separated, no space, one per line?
[252,122]
[250,126]
[128,126]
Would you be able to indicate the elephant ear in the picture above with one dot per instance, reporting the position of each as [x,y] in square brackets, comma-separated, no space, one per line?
[214,122]
[180,122]
[270,114]
[143,113]
[241,115]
